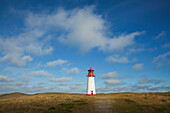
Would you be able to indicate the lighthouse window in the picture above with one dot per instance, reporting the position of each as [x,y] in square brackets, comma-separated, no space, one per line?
[90,71]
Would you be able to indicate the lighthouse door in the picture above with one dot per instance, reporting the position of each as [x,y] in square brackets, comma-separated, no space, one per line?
[91,92]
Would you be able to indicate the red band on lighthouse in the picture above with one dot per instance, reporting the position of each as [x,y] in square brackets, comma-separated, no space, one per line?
[89,94]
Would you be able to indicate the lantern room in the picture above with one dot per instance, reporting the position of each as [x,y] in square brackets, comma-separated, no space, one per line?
[91,72]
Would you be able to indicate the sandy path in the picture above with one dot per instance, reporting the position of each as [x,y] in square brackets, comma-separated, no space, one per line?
[104,106]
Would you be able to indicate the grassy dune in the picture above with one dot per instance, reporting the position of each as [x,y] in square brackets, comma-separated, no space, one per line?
[80,103]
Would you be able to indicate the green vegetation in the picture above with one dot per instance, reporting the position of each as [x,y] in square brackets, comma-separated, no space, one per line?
[79,103]
[59,110]
[68,106]
[78,100]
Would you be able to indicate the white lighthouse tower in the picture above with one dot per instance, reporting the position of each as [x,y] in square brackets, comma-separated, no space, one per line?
[91,84]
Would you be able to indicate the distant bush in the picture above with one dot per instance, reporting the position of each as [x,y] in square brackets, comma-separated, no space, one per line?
[78,101]
[145,98]
[163,100]
[51,108]
[129,101]
[70,105]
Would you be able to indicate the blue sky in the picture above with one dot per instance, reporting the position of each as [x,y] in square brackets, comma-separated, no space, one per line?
[48,46]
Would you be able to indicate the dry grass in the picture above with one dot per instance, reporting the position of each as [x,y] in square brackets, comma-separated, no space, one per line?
[79,103]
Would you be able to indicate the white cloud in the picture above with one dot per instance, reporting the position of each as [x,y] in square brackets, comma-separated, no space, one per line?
[81,27]
[144,81]
[113,82]
[79,83]
[9,46]
[6,79]
[25,78]
[15,48]
[16,59]
[120,42]
[167,45]
[162,59]
[8,69]
[128,88]
[38,49]
[147,81]
[63,79]
[138,66]
[74,71]
[56,62]
[135,50]
[77,27]
[117,59]
[40,73]
[110,75]
[64,84]
[134,59]
[161,34]
[27,58]
[74,87]
[21,83]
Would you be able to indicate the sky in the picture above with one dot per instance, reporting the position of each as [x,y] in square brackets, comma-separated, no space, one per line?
[48,45]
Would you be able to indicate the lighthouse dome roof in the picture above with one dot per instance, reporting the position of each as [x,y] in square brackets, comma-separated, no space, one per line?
[90,69]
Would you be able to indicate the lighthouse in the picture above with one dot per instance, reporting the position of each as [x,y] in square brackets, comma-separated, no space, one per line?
[90,83]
